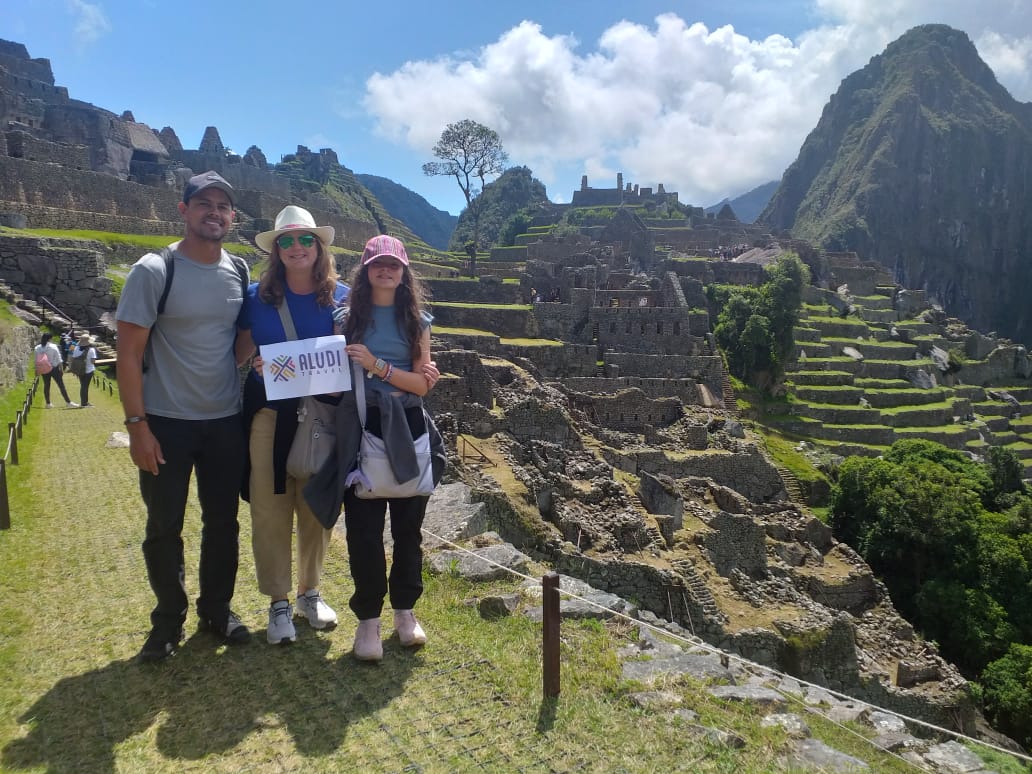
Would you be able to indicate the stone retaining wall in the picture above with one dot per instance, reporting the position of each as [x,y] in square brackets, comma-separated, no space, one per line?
[71,277]
[746,471]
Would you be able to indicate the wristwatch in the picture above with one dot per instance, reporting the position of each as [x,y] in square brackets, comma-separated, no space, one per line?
[379,365]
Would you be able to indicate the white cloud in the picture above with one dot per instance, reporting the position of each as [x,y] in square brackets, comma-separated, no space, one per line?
[707,112]
[91,24]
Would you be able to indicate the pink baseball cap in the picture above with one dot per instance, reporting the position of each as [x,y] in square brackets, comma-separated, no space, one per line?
[384,245]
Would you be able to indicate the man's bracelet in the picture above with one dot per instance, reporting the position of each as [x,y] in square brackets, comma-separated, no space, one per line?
[134,420]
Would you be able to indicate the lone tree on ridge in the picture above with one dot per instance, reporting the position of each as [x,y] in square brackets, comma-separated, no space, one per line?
[469,152]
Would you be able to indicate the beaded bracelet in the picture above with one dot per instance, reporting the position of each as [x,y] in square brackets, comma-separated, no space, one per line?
[387,375]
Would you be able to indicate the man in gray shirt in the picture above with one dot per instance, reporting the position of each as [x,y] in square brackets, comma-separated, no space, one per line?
[177,376]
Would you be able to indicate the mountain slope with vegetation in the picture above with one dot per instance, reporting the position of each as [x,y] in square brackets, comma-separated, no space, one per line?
[923,162]
[515,189]
[434,226]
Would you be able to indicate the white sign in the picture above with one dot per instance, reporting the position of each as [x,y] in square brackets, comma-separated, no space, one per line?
[306,367]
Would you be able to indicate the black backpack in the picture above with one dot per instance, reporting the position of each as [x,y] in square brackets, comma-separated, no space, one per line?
[77,365]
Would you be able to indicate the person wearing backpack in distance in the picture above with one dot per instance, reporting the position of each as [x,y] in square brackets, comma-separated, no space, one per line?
[48,365]
[301,275]
[82,363]
[180,390]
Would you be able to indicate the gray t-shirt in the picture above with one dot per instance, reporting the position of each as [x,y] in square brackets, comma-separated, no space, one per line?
[191,369]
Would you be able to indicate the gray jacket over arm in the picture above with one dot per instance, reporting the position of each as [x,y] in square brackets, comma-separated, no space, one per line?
[324,492]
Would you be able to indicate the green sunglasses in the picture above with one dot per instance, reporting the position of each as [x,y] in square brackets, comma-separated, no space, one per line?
[286,241]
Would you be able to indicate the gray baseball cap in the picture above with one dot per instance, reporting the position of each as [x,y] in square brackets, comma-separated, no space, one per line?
[209,179]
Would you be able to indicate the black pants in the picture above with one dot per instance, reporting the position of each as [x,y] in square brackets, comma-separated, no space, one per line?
[57,376]
[213,449]
[365,522]
[84,388]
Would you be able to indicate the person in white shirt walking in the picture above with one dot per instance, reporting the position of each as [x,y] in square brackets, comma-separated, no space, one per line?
[50,369]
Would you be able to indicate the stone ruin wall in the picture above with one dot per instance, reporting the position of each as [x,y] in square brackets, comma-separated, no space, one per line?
[25,146]
[68,273]
[707,369]
[15,349]
[562,322]
[649,329]
[507,323]
[241,175]
[632,410]
[686,390]
[464,291]
[557,362]
[746,471]
[42,185]
[15,61]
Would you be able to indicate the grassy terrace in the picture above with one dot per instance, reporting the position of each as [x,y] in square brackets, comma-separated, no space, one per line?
[111,239]
[445,331]
[465,305]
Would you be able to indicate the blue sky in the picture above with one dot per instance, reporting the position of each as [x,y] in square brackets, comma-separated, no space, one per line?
[710,99]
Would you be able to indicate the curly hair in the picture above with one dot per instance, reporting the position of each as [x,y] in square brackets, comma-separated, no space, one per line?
[274,277]
[409,300]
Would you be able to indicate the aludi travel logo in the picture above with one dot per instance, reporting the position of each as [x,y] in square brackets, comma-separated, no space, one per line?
[283,369]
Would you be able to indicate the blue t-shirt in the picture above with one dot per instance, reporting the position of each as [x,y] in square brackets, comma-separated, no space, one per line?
[310,319]
[385,340]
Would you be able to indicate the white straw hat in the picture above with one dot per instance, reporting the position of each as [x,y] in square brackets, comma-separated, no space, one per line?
[294,218]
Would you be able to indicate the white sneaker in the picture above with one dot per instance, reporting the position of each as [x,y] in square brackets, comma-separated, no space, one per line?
[409,631]
[311,606]
[50,405]
[281,626]
[72,404]
[368,645]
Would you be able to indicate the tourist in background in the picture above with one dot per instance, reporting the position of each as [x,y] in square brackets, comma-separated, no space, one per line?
[388,334]
[85,367]
[301,274]
[183,412]
[52,353]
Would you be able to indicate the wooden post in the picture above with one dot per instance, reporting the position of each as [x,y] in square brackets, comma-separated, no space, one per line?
[550,633]
[5,506]
[13,435]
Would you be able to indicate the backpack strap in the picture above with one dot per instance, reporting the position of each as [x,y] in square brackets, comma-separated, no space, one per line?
[170,272]
[168,257]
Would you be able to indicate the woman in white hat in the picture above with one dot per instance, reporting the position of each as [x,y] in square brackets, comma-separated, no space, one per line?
[300,274]
[82,363]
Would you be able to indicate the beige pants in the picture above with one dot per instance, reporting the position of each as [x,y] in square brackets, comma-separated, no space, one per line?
[272,520]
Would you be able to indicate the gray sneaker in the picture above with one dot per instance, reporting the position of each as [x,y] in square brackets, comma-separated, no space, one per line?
[281,627]
[319,614]
[230,628]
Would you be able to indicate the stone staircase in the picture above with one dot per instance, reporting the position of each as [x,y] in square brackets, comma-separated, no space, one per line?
[728,393]
[697,588]
[792,486]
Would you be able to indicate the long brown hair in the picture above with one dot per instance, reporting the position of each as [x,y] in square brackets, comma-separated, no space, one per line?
[408,303]
[274,277]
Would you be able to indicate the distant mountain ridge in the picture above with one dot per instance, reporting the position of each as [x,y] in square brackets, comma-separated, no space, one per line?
[749,205]
[434,226]
[922,161]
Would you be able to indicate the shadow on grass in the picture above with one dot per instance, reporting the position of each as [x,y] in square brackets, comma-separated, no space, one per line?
[207,699]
